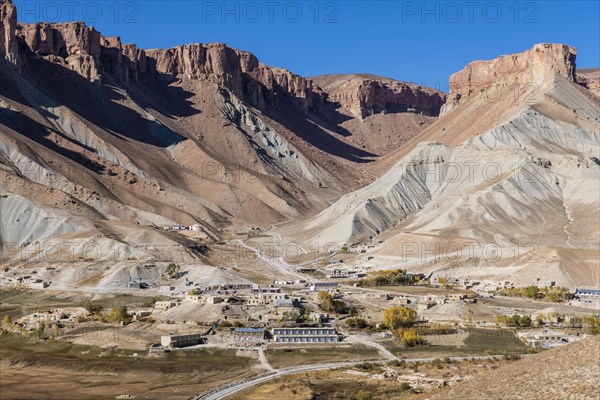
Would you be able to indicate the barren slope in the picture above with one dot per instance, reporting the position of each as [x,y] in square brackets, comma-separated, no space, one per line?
[111,142]
[568,372]
[498,188]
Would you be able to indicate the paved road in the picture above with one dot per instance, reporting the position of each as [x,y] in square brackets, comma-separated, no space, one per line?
[235,387]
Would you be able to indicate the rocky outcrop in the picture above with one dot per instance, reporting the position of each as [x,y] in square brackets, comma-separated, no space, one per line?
[62,40]
[590,79]
[85,51]
[239,71]
[364,94]
[73,44]
[8,27]
[536,66]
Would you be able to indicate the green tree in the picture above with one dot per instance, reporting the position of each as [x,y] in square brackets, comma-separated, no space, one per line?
[40,331]
[325,301]
[7,320]
[531,291]
[399,317]
[118,314]
[173,270]
[539,321]
[470,315]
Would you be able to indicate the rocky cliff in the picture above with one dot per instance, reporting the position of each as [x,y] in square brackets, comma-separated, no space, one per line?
[590,79]
[418,208]
[85,51]
[534,67]
[8,27]
[365,94]
[237,70]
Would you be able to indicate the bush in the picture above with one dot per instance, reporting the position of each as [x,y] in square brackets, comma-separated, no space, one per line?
[531,292]
[555,294]
[404,386]
[436,329]
[411,338]
[517,321]
[327,303]
[591,325]
[366,366]
[92,308]
[363,395]
[118,314]
[388,278]
[356,323]
[40,331]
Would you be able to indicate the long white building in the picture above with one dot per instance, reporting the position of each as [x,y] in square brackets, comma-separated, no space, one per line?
[305,335]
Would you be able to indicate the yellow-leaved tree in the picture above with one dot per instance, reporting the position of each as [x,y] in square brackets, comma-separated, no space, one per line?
[399,317]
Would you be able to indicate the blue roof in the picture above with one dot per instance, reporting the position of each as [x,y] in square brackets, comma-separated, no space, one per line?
[587,291]
[249,330]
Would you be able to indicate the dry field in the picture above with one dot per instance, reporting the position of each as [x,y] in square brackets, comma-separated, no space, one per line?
[570,372]
[51,370]
[368,381]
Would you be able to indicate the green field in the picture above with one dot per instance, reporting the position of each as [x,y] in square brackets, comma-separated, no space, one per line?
[479,342]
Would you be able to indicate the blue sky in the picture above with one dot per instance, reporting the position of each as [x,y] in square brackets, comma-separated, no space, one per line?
[414,41]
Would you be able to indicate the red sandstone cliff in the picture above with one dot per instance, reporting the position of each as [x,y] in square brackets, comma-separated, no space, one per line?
[8,26]
[365,94]
[536,66]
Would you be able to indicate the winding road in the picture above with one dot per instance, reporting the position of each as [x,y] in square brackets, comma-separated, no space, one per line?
[235,387]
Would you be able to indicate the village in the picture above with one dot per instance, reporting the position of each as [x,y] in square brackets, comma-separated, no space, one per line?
[326,302]
[284,313]
[333,310]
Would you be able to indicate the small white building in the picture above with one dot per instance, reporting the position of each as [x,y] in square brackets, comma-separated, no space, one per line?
[283,283]
[372,296]
[587,293]
[172,340]
[165,305]
[211,299]
[548,339]
[39,284]
[193,297]
[323,286]
[337,273]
